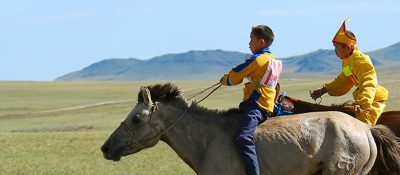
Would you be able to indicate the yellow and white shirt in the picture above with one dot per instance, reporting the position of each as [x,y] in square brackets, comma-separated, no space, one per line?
[263,71]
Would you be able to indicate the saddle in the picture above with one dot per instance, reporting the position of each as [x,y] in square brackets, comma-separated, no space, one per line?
[283,106]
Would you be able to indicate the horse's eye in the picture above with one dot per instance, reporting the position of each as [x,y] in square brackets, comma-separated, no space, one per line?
[136,118]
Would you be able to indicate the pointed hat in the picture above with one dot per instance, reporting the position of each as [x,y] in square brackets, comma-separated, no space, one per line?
[342,37]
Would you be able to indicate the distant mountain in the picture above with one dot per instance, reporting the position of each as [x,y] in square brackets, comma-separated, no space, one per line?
[211,64]
[317,61]
[387,55]
[208,64]
[103,70]
[323,61]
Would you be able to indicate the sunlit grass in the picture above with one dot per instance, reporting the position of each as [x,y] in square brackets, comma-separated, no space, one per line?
[38,146]
[79,153]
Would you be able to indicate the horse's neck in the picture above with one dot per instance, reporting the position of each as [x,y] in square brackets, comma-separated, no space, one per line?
[192,136]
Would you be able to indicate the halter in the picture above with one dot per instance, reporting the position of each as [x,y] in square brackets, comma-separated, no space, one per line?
[154,108]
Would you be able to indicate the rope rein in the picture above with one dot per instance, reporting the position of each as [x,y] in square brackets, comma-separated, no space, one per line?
[210,92]
[320,100]
[199,93]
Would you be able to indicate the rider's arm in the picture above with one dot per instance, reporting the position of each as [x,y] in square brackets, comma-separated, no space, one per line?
[366,76]
[340,86]
[239,72]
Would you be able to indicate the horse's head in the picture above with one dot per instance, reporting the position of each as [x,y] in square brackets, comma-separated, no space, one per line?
[138,131]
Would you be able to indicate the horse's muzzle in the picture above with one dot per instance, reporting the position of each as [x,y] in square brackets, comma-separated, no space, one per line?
[107,154]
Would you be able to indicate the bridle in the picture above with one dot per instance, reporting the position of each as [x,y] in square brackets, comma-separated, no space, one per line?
[154,108]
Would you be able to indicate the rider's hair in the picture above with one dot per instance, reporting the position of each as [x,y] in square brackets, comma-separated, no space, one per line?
[263,32]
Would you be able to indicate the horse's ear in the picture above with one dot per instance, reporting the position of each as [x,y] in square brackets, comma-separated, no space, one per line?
[146,96]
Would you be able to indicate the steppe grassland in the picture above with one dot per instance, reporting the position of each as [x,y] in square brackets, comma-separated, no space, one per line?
[69,142]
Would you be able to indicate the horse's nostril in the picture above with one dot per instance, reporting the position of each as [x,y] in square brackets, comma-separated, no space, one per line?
[105,149]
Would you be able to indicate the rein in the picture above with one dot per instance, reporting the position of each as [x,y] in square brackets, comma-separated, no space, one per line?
[319,102]
[154,108]
[196,94]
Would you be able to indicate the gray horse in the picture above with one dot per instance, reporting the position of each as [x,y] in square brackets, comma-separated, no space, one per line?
[304,144]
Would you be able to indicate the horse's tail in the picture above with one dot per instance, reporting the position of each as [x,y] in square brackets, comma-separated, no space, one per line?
[388,146]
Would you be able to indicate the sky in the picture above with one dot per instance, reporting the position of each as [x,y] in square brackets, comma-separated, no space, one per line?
[43,39]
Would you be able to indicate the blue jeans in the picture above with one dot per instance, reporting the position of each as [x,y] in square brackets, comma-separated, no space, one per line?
[252,116]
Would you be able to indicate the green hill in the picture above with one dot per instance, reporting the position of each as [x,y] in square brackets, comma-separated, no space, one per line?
[211,64]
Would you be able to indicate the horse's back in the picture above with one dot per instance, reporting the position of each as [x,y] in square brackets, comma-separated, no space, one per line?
[307,122]
[310,142]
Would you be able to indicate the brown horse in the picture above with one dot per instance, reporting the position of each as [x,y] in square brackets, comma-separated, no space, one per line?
[303,144]
[390,119]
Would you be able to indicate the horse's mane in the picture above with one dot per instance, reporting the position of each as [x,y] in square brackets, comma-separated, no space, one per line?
[165,92]
[170,93]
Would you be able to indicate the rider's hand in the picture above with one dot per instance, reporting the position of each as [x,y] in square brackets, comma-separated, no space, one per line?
[357,109]
[317,93]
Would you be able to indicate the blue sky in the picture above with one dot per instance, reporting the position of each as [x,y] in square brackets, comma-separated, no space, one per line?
[43,39]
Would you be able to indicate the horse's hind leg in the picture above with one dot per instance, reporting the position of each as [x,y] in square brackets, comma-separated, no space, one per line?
[346,165]
[372,156]
[318,172]
[344,161]
[331,170]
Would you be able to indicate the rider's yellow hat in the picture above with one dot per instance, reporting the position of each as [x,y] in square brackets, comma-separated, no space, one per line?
[342,37]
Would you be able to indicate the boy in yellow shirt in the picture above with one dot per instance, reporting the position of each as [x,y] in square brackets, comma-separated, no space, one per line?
[357,70]
[263,72]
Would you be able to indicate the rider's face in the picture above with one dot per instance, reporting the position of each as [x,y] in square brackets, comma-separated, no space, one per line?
[342,51]
[255,44]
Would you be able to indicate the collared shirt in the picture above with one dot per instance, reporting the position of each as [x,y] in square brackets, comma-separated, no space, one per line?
[254,68]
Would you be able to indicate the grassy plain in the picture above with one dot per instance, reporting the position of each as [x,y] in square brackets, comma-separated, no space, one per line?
[68,142]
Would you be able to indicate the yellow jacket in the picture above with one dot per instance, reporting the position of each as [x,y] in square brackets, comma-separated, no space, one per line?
[254,69]
[358,70]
